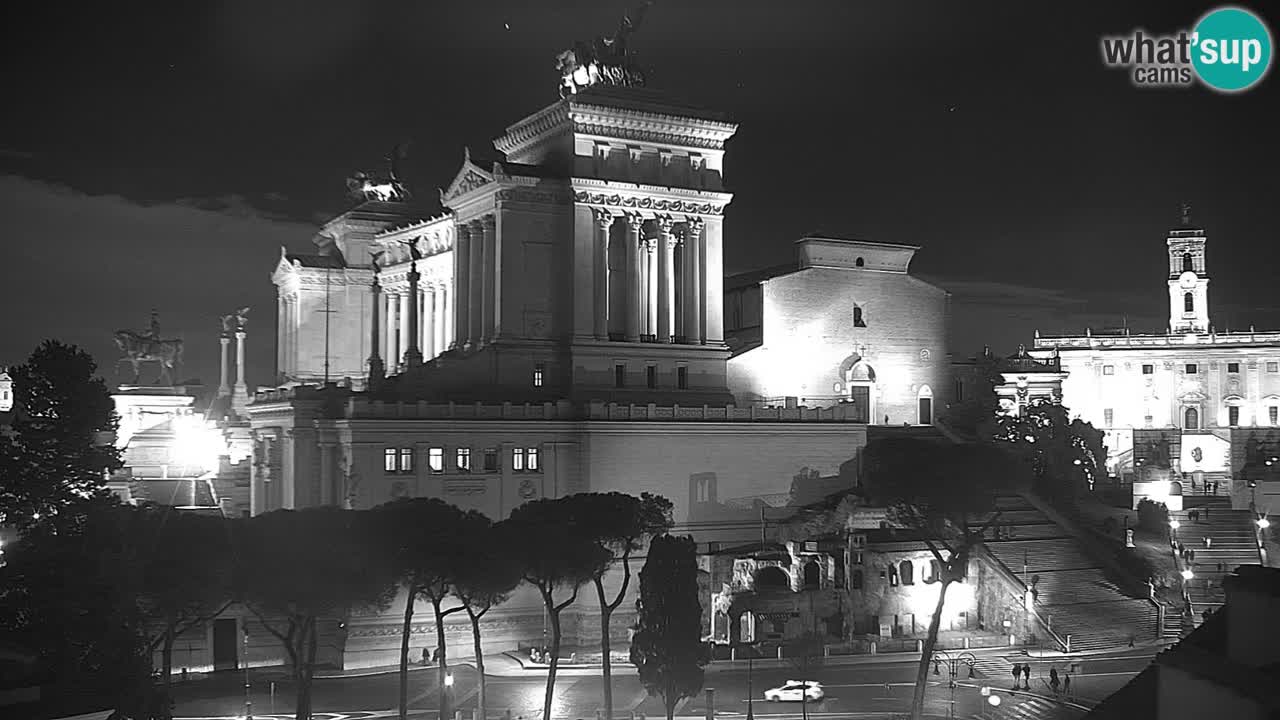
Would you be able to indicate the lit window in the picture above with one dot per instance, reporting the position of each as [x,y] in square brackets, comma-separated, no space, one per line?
[858,320]
[464,459]
[435,459]
[406,460]
[619,375]
[490,460]
[517,459]
[651,377]
[537,374]
[1192,369]
[531,460]
[1108,369]
[1273,414]
[682,377]
[1233,367]
[1148,369]
[389,460]
[1108,416]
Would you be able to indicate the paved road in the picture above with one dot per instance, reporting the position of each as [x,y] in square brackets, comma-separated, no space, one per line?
[853,691]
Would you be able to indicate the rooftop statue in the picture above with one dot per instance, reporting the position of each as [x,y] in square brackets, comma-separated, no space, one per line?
[603,61]
[364,186]
[137,348]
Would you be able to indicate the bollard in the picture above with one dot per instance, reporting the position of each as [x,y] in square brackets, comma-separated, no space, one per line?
[966,642]
[779,652]
[1068,639]
[873,648]
[733,653]
[711,704]
[826,651]
[1012,641]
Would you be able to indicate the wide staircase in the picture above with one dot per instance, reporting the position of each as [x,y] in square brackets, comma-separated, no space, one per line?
[1233,542]
[1072,593]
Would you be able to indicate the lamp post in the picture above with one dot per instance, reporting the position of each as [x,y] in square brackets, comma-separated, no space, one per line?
[248,702]
[1263,523]
[448,695]
[1173,527]
[953,668]
[750,694]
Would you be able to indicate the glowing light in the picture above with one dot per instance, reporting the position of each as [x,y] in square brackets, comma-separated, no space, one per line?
[197,443]
[993,700]
[1263,523]
[1175,524]
[448,680]
[1187,574]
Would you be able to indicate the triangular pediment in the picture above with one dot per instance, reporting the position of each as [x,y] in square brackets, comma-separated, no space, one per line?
[470,176]
[284,266]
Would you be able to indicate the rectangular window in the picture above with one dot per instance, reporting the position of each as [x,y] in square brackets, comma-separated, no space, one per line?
[435,459]
[619,375]
[1273,367]
[406,460]
[464,460]
[1273,414]
[532,461]
[682,377]
[1148,369]
[537,374]
[1108,417]
[490,460]
[1108,369]
[1233,367]
[1233,416]
[959,391]
[517,459]
[389,460]
[1192,369]
[651,377]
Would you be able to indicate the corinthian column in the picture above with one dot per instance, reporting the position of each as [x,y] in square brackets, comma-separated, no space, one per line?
[404,316]
[429,346]
[604,221]
[489,266]
[240,398]
[376,369]
[461,283]
[651,287]
[224,385]
[666,279]
[693,284]
[393,306]
[633,277]
[412,355]
[475,281]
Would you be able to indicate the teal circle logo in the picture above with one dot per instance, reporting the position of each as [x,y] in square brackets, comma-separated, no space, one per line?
[1231,49]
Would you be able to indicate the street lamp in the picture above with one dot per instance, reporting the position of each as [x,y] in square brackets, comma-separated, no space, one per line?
[248,702]
[1173,528]
[953,669]
[1187,574]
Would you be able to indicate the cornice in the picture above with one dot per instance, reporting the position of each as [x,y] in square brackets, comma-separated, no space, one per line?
[627,196]
[532,129]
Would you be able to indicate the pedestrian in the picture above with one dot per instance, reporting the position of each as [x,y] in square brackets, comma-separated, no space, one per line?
[1206,513]
[1208,541]
[1017,672]
[1195,516]
[1026,675]
[1054,682]
[1191,556]
[1066,685]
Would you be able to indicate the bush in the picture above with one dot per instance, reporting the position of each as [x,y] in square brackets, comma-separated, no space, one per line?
[1152,516]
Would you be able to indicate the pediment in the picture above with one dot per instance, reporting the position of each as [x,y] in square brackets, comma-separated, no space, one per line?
[1192,396]
[470,176]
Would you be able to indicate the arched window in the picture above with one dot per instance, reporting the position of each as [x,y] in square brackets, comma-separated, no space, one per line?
[858,263]
[1188,302]
[907,572]
[858,321]
[1187,264]
[812,575]
[771,577]
[935,572]
[1191,419]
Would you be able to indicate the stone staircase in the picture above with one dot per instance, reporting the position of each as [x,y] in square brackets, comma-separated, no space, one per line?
[1073,593]
[1234,543]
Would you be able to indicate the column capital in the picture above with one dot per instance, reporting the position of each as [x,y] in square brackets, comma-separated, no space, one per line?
[489,222]
[634,221]
[604,218]
[665,224]
[694,224]
[241,335]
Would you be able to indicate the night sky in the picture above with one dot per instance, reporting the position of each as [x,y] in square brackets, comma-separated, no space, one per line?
[159,155]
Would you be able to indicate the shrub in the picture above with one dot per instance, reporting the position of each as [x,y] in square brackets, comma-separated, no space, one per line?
[1152,516]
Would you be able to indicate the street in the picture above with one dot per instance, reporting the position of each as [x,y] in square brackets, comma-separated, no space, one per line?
[865,687]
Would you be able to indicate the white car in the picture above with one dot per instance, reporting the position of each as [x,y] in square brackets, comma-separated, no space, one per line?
[796,691]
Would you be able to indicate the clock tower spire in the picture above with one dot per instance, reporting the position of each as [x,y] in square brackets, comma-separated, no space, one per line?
[1188,277]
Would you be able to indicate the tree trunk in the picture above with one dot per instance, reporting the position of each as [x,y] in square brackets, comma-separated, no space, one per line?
[304,662]
[669,699]
[166,661]
[554,616]
[606,664]
[922,672]
[481,712]
[404,652]
[442,671]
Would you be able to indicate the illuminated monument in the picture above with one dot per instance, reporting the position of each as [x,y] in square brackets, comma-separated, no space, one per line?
[1186,407]
[557,328]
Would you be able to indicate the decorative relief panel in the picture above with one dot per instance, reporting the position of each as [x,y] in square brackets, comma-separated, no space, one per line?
[647,203]
[464,487]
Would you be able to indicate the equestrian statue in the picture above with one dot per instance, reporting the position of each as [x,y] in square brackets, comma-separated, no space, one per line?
[138,347]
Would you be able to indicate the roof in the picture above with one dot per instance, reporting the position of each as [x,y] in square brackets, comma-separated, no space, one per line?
[755,277]
[317,261]
[645,100]
[837,237]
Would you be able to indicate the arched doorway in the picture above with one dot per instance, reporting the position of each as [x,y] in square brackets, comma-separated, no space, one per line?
[1191,419]
[924,405]
[861,380]
[771,577]
[812,575]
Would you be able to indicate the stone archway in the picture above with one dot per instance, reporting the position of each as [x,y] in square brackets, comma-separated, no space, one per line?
[812,575]
[771,577]
[859,378]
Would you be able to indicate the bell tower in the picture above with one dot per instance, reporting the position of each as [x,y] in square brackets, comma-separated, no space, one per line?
[1188,278]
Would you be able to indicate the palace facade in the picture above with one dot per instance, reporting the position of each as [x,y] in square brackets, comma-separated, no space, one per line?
[1190,409]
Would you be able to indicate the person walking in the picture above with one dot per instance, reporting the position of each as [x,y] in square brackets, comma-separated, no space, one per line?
[1208,541]
[1066,685]
[1206,513]
[1026,676]
[1195,516]
[1017,672]
[1054,682]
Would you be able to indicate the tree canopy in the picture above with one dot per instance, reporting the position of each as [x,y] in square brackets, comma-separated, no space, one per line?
[667,649]
[1066,455]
